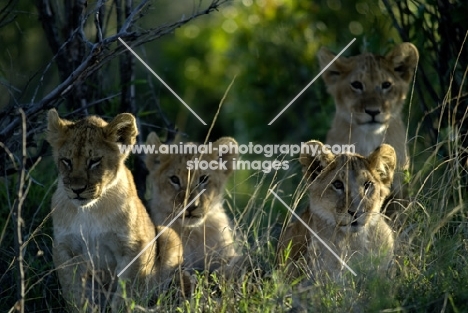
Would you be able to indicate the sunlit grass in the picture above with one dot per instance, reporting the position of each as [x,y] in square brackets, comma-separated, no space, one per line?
[431,263]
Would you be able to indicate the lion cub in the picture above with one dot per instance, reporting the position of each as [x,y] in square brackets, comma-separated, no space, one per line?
[100,225]
[346,192]
[369,92]
[204,227]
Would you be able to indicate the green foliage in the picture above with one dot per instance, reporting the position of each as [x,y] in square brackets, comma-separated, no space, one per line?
[269,46]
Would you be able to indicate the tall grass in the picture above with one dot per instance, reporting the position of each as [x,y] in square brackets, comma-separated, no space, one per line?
[431,262]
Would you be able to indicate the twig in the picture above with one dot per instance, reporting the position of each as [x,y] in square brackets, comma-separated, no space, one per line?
[97,22]
[6,11]
[93,56]
[18,220]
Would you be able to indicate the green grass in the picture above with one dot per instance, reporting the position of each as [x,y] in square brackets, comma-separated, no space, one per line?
[431,263]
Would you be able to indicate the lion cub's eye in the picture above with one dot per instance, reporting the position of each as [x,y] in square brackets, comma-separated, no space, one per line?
[67,163]
[203,179]
[175,180]
[386,85]
[338,184]
[93,163]
[357,85]
[367,185]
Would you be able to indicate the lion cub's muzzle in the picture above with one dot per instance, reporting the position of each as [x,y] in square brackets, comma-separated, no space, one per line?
[82,196]
[80,191]
[371,111]
[193,211]
[354,218]
[355,222]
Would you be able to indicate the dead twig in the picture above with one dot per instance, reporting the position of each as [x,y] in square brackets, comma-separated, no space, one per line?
[76,75]
[18,220]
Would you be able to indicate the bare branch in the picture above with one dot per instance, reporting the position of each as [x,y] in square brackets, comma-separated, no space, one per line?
[6,15]
[98,23]
[91,56]
[18,221]
[49,24]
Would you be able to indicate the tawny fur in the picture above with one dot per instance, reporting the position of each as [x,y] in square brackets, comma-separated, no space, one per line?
[366,85]
[99,222]
[346,193]
[205,229]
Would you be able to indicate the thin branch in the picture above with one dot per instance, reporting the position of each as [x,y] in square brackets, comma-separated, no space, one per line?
[18,221]
[98,55]
[98,24]
[129,21]
[57,94]
[6,16]
[49,24]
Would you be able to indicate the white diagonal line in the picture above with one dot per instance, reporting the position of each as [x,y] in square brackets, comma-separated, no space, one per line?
[157,236]
[160,79]
[314,233]
[313,80]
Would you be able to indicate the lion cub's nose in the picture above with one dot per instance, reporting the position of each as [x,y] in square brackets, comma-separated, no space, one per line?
[372,113]
[355,214]
[193,206]
[78,189]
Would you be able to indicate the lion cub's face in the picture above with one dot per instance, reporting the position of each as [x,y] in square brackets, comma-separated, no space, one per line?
[369,89]
[347,190]
[175,185]
[87,155]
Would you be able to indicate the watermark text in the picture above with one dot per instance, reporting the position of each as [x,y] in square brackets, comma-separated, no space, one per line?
[267,150]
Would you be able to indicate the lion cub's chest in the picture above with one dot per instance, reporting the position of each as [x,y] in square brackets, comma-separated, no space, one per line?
[344,244]
[366,139]
[209,243]
[90,236]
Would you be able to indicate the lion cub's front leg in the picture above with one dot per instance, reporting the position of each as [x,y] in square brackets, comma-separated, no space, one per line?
[135,275]
[292,246]
[169,260]
[72,273]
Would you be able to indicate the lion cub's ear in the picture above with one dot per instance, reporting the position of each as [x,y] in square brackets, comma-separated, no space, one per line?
[227,149]
[56,128]
[122,129]
[338,67]
[405,58]
[383,160]
[152,159]
[314,158]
